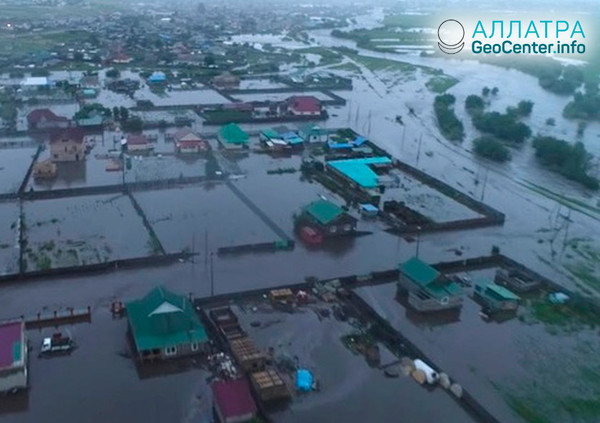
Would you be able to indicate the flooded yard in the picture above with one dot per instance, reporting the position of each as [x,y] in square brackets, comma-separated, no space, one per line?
[181,98]
[178,391]
[271,192]
[9,241]
[185,218]
[279,96]
[427,200]
[14,163]
[83,230]
[527,369]
[346,381]
[253,84]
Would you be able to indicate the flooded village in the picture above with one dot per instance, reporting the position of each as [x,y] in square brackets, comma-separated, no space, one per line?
[241,212]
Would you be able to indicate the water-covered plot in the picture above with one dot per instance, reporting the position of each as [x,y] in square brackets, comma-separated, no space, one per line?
[181,98]
[279,96]
[157,168]
[184,218]
[280,195]
[83,230]
[253,84]
[346,382]
[14,163]
[9,252]
[428,201]
[535,367]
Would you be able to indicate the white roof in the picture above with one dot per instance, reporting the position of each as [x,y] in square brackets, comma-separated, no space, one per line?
[36,80]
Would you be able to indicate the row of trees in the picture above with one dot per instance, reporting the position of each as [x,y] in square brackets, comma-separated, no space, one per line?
[499,127]
[570,160]
[584,105]
[505,126]
[491,148]
[450,126]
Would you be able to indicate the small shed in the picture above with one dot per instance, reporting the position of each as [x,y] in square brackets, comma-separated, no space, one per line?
[327,218]
[495,297]
[368,210]
[233,401]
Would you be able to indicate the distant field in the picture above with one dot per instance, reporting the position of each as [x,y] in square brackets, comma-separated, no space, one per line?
[25,43]
[20,12]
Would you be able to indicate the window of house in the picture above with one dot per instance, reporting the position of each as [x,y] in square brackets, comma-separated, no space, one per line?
[194,346]
[170,351]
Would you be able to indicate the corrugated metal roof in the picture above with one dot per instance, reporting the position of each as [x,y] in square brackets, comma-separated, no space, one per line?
[163,319]
[233,134]
[419,272]
[323,211]
[502,292]
[359,171]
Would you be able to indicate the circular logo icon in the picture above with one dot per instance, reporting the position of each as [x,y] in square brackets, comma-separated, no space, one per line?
[451,34]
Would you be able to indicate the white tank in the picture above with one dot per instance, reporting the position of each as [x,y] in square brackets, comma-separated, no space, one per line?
[431,375]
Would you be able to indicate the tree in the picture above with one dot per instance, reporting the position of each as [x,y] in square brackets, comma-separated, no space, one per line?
[524,107]
[485,91]
[124,113]
[450,126]
[495,91]
[474,104]
[571,161]
[491,148]
[134,124]
[113,73]
[115,112]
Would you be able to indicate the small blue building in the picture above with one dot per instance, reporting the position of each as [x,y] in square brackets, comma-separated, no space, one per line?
[157,78]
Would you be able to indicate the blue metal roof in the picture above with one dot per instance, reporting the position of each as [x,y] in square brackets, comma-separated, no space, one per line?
[359,171]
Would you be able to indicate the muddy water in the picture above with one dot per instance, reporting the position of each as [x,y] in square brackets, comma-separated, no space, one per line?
[349,389]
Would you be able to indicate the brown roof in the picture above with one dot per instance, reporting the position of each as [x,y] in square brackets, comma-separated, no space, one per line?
[72,134]
[305,103]
[183,132]
[36,116]
[136,139]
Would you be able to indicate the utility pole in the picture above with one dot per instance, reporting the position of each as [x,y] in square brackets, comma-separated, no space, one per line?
[419,150]
[403,135]
[487,170]
[212,275]
[418,239]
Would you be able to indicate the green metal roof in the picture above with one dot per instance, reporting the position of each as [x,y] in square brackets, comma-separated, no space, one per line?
[500,291]
[359,171]
[419,272]
[270,133]
[324,211]
[233,134]
[162,319]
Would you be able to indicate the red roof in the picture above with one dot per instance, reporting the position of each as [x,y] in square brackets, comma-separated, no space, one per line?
[305,103]
[136,139]
[10,333]
[72,134]
[233,398]
[38,114]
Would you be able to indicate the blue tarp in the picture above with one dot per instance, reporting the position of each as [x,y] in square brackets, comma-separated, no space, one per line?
[304,380]
[358,141]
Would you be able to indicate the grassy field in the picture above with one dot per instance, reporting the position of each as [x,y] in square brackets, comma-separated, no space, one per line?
[26,43]
[34,12]
[440,83]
